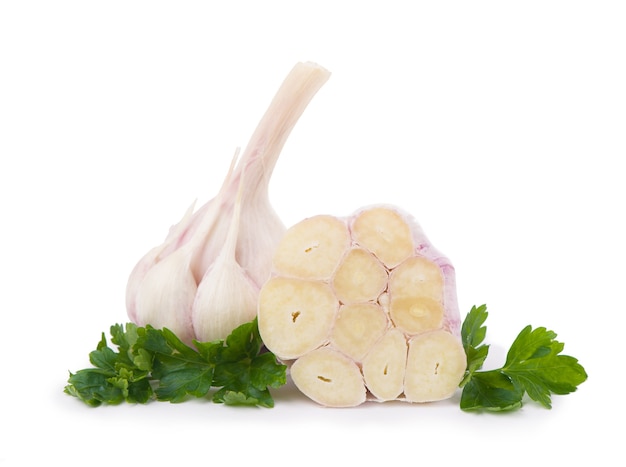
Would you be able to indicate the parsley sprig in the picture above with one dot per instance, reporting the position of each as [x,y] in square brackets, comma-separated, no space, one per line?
[534,366]
[155,364]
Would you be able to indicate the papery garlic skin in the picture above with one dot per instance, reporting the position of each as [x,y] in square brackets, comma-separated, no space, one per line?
[165,296]
[226,296]
[151,258]
[162,291]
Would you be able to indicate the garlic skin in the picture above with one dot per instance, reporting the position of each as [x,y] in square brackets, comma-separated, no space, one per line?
[204,279]
[151,258]
[163,286]
[226,294]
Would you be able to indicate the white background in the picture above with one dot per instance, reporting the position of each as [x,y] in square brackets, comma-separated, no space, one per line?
[499,125]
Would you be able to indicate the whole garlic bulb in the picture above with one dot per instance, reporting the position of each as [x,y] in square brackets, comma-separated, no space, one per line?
[204,279]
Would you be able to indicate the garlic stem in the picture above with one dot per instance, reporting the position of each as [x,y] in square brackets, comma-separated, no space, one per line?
[260,155]
[262,227]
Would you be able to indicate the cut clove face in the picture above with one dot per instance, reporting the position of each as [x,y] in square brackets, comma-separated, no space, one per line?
[174,285]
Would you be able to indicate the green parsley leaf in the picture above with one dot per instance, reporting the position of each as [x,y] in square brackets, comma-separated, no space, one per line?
[244,371]
[150,358]
[491,390]
[534,366]
[181,371]
[114,378]
[473,334]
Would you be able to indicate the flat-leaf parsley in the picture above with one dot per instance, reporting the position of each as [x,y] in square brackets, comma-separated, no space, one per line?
[155,364]
[534,366]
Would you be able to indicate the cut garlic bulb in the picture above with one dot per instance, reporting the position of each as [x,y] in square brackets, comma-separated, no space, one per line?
[387,325]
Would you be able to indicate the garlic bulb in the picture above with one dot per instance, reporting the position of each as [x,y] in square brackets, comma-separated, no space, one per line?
[204,279]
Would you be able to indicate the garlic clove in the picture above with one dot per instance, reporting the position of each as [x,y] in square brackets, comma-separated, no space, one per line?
[151,258]
[165,296]
[226,296]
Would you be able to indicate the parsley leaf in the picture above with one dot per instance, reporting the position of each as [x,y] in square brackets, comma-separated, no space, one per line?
[155,364]
[534,366]
[245,385]
[114,378]
[180,370]
[491,390]
[473,334]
